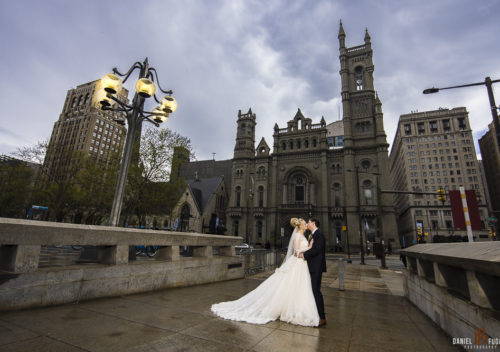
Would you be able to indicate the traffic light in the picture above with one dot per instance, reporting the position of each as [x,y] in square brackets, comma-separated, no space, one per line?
[441,195]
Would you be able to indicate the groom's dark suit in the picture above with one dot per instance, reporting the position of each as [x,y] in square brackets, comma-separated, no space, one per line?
[317,266]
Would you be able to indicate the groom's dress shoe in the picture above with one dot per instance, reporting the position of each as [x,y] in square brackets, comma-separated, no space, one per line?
[322,322]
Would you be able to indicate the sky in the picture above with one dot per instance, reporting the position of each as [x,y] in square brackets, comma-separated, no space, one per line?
[221,56]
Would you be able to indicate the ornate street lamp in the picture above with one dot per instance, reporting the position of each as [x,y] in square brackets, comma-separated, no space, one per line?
[135,115]
[487,82]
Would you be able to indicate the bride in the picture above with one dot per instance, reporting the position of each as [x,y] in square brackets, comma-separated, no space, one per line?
[286,295]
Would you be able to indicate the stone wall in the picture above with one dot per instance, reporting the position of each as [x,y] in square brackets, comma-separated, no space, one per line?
[23,284]
[457,285]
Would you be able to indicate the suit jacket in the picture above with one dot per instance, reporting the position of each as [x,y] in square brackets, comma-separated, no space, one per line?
[316,255]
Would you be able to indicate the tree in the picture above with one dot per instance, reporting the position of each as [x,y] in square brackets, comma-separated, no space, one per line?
[148,189]
[15,186]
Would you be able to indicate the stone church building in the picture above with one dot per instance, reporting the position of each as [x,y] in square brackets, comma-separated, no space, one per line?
[308,172]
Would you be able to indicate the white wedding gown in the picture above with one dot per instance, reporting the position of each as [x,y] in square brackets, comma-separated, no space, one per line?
[286,295]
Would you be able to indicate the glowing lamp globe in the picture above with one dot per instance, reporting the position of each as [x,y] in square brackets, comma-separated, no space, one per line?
[111,83]
[145,87]
[168,104]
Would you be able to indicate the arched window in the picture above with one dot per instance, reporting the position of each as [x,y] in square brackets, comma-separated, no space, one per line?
[238,196]
[358,78]
[73,102]
[306,143]
[259,229]
[291,144]
[184,221]
[367,192]
[284,146]
[260,196]
[365,165]
[299,190]
[86,98]
[314,142]
[236,225]
[261,171]
[80,99]
[337,195]
[298,144]
[243,128]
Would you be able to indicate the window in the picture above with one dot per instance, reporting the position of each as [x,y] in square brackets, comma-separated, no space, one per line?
[367,192]
[259,229]
[260,196]
[420,128]
[238,196]
[407,129]
[461,123]
[446,125]
[336,195]
[358,78]
[365,165]
[433,126]
[243,128]
[236,225]
[299,190]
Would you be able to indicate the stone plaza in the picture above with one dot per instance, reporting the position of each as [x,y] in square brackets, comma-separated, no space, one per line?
[370,314]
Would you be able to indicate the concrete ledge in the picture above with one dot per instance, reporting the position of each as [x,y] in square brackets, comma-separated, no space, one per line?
[23,284]
[457,285]
[83,282]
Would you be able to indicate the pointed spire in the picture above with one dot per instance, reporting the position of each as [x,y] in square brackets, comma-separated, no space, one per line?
[367,37]
[341,35]
[323,122]
[341,30]
[249,111]
[276,127]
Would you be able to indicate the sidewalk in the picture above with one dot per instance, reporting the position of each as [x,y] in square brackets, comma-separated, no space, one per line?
[369,315]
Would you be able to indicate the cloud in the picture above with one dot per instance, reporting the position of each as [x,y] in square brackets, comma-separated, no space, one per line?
[222,56]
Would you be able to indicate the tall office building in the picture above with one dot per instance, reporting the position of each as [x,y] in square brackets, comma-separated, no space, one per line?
[491,163]
[433,150]
[84,127]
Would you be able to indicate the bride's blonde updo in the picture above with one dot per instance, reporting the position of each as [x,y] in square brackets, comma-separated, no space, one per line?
[295,222]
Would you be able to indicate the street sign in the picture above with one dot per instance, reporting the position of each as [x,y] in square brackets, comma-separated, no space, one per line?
[491,219]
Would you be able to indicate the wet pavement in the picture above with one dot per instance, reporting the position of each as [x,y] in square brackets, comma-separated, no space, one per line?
[371,314]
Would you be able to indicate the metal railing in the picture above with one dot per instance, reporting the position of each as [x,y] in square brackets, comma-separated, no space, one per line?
[261,260]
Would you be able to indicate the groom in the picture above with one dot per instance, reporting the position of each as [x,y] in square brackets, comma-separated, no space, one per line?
[317,265]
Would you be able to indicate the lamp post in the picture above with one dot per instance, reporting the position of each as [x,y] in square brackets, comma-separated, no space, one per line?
[135,115]
[383,263]
[487,82]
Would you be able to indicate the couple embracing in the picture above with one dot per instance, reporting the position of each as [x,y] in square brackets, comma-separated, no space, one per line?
[292,294]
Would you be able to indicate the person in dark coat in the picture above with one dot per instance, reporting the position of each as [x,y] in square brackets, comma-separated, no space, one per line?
[316,262]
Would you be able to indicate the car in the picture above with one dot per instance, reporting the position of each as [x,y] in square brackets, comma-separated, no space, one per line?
[244,248]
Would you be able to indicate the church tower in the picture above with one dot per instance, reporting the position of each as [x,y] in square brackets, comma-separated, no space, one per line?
[243,177]
[366,158]
[245,136]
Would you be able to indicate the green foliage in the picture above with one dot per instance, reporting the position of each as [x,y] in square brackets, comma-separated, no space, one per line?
[81,189]
[15,186]
[149,188]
